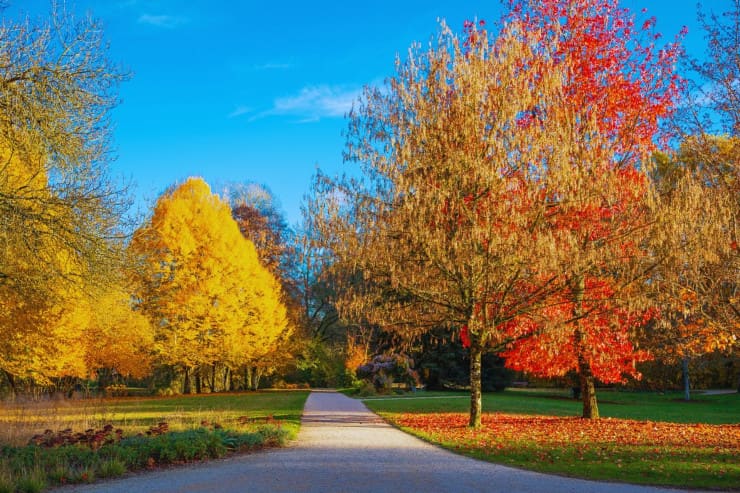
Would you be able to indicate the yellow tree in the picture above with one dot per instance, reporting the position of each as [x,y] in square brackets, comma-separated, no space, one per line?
[59,213]
[201,284]
[43,279]
[117,337]
[697,282]
[257,213]
[56,90]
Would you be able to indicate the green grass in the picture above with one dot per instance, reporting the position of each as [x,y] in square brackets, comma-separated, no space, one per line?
[644,438]
[668,407]
[20,421]
[200,427]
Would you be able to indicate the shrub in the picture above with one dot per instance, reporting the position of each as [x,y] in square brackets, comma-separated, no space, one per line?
[63,461]
[367,389]
[385,369]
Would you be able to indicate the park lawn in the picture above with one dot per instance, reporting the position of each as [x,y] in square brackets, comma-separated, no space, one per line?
[155,431]
[642,437]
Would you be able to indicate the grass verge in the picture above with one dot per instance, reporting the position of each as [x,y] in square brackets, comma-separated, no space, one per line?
[141,434]
[643,438]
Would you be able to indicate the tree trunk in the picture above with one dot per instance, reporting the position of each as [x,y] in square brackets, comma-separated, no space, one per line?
[585,374]
[213,378]
[11,383]
[227,375]
[186,388]
[198,381]
[588,390]
[686,383]
[248,378]
[256,376]
[476,400]
[231,380]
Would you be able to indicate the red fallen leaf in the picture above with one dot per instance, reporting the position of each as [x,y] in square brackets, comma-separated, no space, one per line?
[556,431]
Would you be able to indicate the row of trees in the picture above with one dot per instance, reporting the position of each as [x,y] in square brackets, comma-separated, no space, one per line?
[79,295]
[201,284]
[509,191]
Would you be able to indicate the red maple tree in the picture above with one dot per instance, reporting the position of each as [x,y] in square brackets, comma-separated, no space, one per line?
[616,87]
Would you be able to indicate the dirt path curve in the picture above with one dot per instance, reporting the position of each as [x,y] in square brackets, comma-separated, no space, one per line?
[343,447]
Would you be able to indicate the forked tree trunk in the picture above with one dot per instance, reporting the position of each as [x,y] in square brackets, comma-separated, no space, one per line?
[248,378]
[476,401]
[256,376]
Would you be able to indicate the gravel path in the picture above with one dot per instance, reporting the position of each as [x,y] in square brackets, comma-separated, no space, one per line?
[343,447]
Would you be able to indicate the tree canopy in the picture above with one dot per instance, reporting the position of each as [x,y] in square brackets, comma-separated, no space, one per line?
[201,284]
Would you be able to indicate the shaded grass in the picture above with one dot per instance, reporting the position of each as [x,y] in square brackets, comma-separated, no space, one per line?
[201,427]
[709,409]
[647,439]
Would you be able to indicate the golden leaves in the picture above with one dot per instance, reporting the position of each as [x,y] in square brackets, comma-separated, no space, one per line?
[203,286]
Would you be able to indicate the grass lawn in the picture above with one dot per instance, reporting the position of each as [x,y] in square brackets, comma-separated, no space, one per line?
[153,431]
[642,437]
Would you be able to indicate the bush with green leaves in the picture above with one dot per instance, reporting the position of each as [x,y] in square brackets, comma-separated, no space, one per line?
[33,467]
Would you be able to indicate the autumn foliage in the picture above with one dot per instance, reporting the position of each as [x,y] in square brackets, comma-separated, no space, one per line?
[505,193]
[202,286]
[649,450]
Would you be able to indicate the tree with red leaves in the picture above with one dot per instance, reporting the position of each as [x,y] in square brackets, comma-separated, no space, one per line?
[501,184]
[616,86]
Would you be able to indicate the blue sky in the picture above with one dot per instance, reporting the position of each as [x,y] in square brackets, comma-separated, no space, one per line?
[256,91]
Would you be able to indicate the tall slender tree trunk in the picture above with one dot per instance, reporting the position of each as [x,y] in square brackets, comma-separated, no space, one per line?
[186,388]
[476,400]
[213,378]
[585,373]
[198,380]
[248,378]
[227,375]
[686,382]
[588,389]
[231,380]
[256,376]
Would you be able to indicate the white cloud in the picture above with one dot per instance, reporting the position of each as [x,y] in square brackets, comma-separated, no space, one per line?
[315,102]
[163,21]
[239,111]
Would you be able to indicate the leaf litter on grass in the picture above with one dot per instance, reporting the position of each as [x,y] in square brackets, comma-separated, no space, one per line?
[698,455]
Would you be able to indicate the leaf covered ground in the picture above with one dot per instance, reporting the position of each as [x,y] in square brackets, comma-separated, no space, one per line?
[693,455]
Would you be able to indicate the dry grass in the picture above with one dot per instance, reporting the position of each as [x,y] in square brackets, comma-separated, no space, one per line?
[21,419]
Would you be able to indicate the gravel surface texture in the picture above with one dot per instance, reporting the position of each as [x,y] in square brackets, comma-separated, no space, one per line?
[343,447]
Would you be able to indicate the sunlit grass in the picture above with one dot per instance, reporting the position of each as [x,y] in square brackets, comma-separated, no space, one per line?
[199,427]
[644,437]
[19,421]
